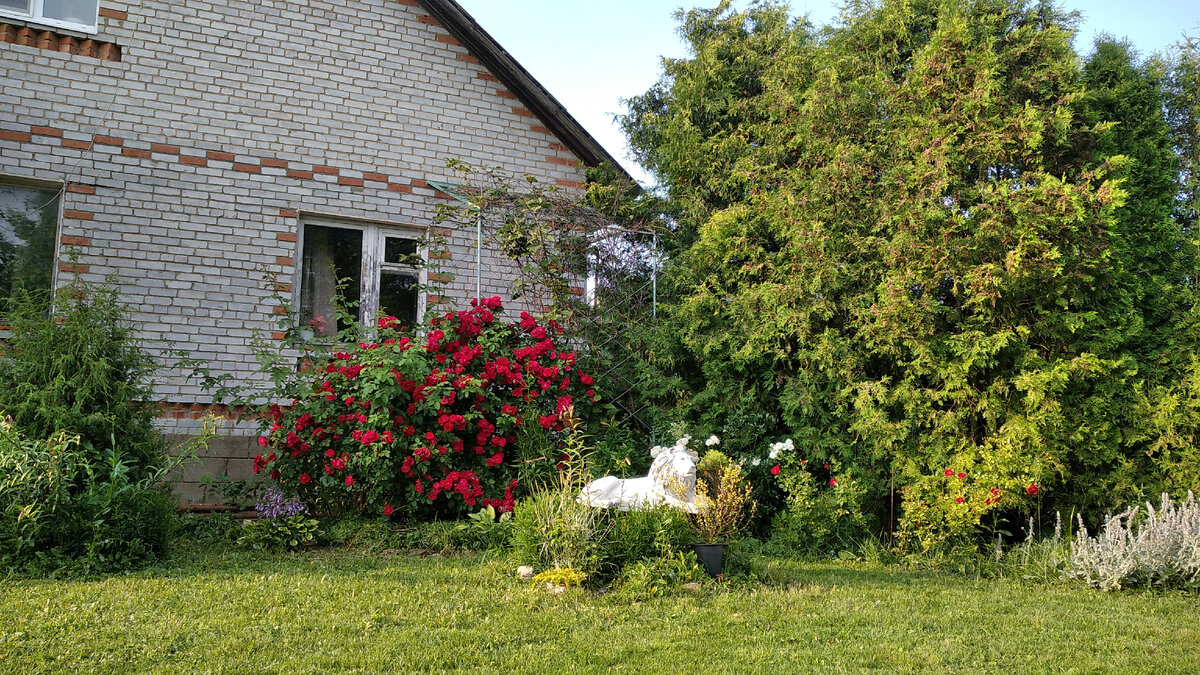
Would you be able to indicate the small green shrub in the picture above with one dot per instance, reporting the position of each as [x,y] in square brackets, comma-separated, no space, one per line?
[36,478]
[58,512]
[551,529]
[486,529]
[823,521]
[282,524]
[633,536]
[278,534]
[659,576]
[90,498]
[114,525]
[80,369]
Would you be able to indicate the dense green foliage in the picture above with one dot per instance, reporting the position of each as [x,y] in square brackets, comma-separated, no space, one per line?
[61,512]
[80,464]
[926,240]
[80,369]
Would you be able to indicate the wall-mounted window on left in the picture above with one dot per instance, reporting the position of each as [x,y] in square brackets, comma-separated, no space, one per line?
[28,234]
[80,15]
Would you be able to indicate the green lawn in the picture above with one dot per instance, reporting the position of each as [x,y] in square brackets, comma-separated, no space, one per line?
[233,612]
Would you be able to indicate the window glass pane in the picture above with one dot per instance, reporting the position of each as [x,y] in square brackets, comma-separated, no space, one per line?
[16,5]
[28,233]
[398,296]
[330,254]
[75,11]
[397,250]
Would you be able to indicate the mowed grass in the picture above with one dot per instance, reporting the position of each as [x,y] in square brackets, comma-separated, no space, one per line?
[224,611]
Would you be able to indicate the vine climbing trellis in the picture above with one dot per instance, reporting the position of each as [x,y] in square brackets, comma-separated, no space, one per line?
[596,273]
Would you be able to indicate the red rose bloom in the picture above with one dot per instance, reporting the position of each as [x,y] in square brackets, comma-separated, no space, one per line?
[1032,489]
[388,510]
[349,480]
[958,500]
[775,470]
[832,482]
[948,472]
[961,475]
[305,479]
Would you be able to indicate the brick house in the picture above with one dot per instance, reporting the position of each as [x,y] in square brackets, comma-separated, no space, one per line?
[192,147]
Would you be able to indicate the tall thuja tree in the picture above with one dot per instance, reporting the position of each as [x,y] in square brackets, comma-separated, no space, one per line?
[1171,406]
[1183,114]
[705,131]
[699,128]
[918,274]
[1126,98]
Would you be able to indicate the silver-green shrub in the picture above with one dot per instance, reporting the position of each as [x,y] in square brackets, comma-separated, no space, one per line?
[1154,547]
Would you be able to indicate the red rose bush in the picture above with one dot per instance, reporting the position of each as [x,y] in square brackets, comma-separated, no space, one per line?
[425,423]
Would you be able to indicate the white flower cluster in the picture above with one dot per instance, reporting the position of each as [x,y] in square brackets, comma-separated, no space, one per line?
[681,445]
[712,441]
[777,448]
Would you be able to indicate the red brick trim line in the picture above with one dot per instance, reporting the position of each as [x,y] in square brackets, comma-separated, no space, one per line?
[59,42]
[170,152]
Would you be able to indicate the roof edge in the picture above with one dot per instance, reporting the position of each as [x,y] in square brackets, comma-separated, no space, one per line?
[463,27]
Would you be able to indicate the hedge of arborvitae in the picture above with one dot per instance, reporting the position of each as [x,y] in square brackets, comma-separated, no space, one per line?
[932,240]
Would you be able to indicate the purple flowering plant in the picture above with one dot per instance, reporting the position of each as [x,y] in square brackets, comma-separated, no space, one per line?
[274,505]
[283,523]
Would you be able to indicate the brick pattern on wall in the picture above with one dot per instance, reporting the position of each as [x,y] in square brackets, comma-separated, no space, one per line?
[188,163]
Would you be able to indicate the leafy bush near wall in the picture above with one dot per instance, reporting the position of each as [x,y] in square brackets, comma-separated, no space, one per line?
[60,512]
[425,426]
[80,369]
[81,466]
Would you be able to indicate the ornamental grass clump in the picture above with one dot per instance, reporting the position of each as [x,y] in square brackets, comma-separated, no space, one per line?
[1157,547]
[551,528]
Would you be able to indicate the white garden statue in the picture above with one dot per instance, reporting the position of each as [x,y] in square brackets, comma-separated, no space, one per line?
[672,481]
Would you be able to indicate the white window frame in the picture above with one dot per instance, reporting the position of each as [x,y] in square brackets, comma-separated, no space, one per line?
[36,16]
[374,235]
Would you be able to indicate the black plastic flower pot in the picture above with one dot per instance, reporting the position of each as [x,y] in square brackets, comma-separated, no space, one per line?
[710,557]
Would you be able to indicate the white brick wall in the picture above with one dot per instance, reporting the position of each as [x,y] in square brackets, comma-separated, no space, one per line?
[190,158]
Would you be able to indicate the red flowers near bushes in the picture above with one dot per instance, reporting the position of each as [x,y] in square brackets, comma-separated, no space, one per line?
[425,424]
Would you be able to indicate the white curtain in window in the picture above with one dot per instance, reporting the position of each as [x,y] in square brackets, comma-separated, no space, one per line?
[73,11]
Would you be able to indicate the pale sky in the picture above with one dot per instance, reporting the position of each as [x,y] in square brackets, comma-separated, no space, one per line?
[591,54]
